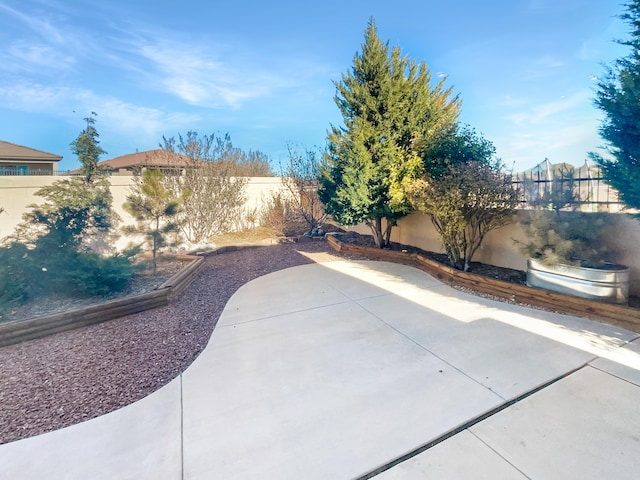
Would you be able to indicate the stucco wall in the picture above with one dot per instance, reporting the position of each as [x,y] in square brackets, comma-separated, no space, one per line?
[416,229]
[16,193]
[500,249]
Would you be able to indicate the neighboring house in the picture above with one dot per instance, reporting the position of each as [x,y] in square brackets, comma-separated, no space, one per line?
[170,164]
[134,163]
[19,160]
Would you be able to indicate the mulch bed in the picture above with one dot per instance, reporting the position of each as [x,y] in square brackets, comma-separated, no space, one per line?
[491,271]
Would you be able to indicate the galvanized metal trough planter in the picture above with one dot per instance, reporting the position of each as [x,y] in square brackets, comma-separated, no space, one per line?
[609,284]
[612,313]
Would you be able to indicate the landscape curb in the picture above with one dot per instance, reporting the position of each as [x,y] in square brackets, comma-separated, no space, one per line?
[22,330]
[619,315]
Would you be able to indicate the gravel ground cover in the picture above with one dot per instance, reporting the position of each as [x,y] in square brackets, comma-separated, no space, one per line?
[63,379]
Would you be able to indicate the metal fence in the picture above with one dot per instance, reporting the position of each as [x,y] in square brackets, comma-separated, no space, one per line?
[587,193]
[7,171]
[32,172]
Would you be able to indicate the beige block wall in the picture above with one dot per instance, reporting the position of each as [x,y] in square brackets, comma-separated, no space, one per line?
[17,192]
[259,190]
[499,247]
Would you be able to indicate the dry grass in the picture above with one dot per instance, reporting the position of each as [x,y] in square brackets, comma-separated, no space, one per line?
[244,236]
[292,229]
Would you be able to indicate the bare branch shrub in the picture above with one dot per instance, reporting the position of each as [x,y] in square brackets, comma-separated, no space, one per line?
[300,177]
[277,212]
[213,196]
[247,220]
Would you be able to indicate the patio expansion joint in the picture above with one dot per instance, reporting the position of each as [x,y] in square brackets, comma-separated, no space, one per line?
[626,380]
[499,455]
[285,313]
[465,426]
[181,427]
[632,340]
[432,353]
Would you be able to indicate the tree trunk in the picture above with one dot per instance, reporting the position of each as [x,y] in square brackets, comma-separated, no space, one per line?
[380,237]
[376,229]
[155,246]
[387,232]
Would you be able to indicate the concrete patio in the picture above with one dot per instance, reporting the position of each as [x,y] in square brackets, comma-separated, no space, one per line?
[359,369]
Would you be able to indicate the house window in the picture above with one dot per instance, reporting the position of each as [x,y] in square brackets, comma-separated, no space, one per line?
[23,170]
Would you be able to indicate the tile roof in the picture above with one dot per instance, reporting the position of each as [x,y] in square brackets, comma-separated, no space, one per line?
[150,158]
[11,151]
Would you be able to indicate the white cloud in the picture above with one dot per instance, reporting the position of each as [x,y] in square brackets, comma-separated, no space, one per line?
[213,73]
[510,101]
[22,56]
[201,78]
[537,114]
[115,116]
[39,25]
[568,143]
[32,97]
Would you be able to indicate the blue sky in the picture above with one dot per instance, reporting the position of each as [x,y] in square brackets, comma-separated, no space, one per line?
[264,71]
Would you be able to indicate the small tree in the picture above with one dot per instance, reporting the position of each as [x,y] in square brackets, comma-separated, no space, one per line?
[467,196]
[87,147]
[213,198]
[618,96]
[300,177]
[153,206]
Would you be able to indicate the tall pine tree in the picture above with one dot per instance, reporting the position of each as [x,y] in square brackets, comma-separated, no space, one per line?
[87,147]
[391,117]
[618,96]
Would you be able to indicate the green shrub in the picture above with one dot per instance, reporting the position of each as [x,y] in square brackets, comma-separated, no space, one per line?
[91,274]
[14,272]
[27,274]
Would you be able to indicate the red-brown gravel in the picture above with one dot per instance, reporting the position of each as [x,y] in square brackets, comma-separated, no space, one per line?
[70,377]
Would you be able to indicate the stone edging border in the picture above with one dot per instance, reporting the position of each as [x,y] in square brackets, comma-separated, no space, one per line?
[23,330]
[620,315]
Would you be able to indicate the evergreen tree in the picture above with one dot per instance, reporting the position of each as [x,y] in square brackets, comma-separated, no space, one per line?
[618,96]
[153,206]
[87,147]
[75,210]
[391,117]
